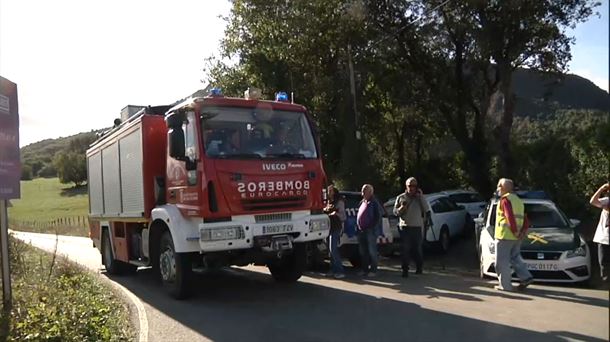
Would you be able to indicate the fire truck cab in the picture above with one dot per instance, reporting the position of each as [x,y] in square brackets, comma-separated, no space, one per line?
[212,181]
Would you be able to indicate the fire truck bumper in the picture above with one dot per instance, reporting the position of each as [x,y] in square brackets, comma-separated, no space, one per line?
[267,233]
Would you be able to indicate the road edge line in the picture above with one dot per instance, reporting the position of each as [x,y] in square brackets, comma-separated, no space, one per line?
[135,301]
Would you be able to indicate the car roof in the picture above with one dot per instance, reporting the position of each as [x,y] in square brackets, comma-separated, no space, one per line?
[435,195]
[457,191]
[429,197]
[529,201]
[533,194]
[358,193]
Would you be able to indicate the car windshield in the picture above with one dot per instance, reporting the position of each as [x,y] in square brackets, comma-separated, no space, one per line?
[466,198]
[251,133]
[540,215]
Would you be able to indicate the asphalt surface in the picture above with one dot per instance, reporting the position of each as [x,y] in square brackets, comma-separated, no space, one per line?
[447,302]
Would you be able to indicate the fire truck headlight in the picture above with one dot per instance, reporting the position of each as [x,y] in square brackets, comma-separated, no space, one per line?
[222,233]
[319,225]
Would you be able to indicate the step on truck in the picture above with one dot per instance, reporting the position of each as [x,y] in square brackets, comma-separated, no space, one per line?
[212,181]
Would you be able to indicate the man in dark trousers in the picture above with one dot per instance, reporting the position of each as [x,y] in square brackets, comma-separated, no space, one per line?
[412,209]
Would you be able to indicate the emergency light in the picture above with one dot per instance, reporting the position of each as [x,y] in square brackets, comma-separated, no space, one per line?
[281,96]
[215,92]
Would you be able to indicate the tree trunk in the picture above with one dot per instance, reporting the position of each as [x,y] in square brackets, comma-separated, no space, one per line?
[477,161]
[401,163]
[507,167]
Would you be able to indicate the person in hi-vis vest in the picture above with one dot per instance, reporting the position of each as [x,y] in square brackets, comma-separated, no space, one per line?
[511,227]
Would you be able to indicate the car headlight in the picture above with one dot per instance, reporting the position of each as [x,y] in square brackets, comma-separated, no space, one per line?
[222,233]
[319,225]
[492,247]
[580,251]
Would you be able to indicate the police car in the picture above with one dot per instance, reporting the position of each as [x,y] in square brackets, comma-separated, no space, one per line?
[552,250]
[348,244]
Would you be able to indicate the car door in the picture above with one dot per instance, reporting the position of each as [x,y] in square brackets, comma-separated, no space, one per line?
[454,216]
[472,202]
[439,219]
[350,229]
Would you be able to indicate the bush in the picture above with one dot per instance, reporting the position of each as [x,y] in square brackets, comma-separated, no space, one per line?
[61,303]
[48,171]
[26,172]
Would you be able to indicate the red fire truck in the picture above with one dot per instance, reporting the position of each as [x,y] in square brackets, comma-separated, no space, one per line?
[212,181]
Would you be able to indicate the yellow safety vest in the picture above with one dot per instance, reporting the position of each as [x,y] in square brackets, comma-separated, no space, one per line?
[503,231]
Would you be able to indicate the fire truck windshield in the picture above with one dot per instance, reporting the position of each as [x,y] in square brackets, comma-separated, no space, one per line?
[247,133]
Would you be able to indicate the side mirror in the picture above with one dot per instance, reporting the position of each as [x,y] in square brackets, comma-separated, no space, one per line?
[176,144]
[481,215]
[574,222]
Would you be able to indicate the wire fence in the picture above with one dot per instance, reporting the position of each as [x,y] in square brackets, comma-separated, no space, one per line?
[72,225]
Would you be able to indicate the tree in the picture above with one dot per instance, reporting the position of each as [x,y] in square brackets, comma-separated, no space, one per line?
[26,172]
[71,167]
[465,53]
[404,73]
[48,171]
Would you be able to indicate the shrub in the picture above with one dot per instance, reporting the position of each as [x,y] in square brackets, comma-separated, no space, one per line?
[61,303]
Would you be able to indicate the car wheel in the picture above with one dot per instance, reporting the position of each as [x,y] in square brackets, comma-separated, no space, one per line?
[468,224]
[481,270]
[444,240]
[175,268]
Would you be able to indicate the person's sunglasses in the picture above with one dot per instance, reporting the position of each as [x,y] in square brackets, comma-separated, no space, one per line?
[412,185]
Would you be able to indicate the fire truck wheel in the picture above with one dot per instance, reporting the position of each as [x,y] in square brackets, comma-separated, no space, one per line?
[290,268]
[113,266]
[175,268]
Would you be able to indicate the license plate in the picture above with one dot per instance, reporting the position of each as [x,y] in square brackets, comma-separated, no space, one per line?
[542,267]
[277,229]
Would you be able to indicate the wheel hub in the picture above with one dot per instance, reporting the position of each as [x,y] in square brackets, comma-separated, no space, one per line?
[167,262]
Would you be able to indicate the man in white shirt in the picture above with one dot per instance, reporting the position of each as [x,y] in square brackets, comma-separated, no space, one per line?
[602,235]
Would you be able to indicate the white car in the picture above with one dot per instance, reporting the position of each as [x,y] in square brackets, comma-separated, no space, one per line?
[552,250]
[471,200]
[449,220]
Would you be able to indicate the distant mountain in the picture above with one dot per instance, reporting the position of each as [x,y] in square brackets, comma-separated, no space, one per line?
[541,94]
[39,155]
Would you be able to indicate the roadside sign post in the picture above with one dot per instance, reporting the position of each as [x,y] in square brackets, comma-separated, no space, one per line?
[10,175]
[6,272]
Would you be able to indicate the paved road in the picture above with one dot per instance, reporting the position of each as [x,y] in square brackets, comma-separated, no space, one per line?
[245,304]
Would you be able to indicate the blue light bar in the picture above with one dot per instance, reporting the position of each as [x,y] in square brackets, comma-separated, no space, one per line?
[281,96]
[215,92]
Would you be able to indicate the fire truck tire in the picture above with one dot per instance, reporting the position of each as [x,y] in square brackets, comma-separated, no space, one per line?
[290,268]
[175,268]
[113,266]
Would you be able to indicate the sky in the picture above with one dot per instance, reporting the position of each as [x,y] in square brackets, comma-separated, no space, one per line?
[78,63]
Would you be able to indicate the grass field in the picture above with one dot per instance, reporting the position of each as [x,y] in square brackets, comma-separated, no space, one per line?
[44,200]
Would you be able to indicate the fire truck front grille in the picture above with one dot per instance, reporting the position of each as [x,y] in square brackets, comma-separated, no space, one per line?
[279,217]
[275,203]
